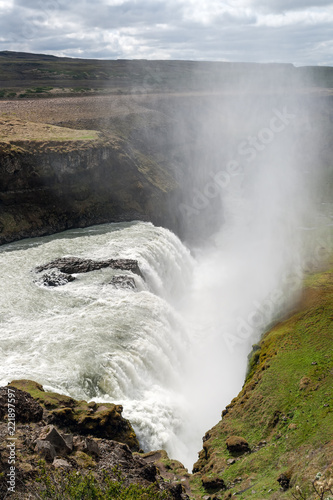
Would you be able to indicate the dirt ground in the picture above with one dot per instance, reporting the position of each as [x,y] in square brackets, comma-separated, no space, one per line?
[56,110]
[77,111]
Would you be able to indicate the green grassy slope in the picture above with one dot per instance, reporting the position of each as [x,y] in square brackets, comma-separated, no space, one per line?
[284,410]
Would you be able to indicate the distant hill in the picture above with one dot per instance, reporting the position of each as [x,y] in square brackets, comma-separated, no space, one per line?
[41,75]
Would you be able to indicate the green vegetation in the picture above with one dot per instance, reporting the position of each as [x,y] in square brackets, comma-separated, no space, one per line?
[38,90]
[80,89]
[49,400]
[7,94]
[30,92]
[285,408]
[72,486]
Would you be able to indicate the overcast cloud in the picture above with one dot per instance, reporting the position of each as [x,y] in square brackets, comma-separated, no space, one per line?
[296,31]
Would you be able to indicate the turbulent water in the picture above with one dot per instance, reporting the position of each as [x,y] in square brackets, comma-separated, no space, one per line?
[173,351]
[92,340]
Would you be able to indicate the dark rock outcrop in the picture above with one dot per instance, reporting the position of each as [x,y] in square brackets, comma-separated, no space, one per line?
[49,186]
[105,421]
[237,445]
[79,417]
[26,408]
[54,278]
[50,434]
[78,454]
[284,481]
[74,265]
[125,282]
[213,483]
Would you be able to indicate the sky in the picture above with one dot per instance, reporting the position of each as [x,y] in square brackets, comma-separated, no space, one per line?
[291,31]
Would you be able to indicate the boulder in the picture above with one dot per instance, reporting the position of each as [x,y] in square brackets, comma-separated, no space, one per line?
[54,278]
[25,408]
[60,463]
[105,421]
[50,434]
[237,444]
[284,480]
[126,282]
[213,483]
[73,265]
[45,449]
[87,445]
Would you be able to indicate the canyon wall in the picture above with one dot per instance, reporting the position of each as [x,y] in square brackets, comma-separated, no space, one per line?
[50,187]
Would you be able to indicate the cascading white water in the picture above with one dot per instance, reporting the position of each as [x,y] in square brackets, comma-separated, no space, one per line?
[90,340]
[173,352]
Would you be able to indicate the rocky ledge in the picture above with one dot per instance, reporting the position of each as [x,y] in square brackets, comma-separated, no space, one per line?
[98,420]
[59,440]
[73,265]
[53,182]
[59,272]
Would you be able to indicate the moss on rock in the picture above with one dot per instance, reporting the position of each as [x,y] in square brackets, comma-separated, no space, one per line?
[101,420]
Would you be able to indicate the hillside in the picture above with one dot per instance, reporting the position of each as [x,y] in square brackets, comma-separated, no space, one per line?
[24,75]
[276,435]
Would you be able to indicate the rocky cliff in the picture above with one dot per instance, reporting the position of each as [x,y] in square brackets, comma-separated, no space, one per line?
[68,449]
[51,184]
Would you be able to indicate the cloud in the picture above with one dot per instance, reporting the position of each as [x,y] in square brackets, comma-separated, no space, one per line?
[243,30]
[289,5]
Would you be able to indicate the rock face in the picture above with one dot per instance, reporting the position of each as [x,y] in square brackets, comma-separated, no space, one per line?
[49,187]
[71,451]
[27,409]
[73,265]
[137,160]
[98,420]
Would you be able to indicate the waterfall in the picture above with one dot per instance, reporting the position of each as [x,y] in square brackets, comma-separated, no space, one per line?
[91,340]
[173,351]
